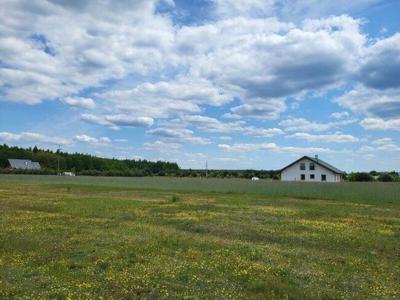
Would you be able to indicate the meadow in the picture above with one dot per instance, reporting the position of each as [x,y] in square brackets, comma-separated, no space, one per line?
[191,238]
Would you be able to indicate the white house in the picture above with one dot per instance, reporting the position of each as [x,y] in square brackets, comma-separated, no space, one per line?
[312,170]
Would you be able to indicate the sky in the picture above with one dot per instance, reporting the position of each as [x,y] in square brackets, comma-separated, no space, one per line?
[241,84]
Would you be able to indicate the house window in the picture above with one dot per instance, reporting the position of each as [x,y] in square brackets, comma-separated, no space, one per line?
[312,166]
[312,176]
[323,177]
[302,166]
[303,176]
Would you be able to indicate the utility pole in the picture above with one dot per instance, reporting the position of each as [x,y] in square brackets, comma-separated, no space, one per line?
[206,169]
[58,159]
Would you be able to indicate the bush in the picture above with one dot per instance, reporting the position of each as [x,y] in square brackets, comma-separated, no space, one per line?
[361,176]
[374,173]
[28,172]
[175,198]
[276,177]
[385,177]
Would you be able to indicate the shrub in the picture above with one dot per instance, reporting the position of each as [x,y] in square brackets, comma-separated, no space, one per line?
[374,173]
[276,177]
[385,177]
[175,198]
[28,172]
[361,176]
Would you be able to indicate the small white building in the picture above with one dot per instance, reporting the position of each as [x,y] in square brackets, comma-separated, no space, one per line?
[311,170]
[68,174]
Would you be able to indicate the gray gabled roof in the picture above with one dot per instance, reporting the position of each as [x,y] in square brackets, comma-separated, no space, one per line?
[24,164]
[318,162]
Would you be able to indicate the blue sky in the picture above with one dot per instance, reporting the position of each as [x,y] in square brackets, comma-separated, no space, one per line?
[239,83]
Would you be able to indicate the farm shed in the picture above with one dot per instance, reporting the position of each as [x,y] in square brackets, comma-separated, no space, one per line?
[23,164]
[311,169]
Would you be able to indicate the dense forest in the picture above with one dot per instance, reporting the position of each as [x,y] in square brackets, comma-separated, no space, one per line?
[85,164]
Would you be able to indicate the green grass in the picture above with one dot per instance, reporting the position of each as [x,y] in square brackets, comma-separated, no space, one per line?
[374,192]
[128,238]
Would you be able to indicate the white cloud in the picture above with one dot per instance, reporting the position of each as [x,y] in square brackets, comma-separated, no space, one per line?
[295,124]
[129,121]
[325,138]
[373,103]
[228,159]
[383,141]
[209,124]
[55,49]
[82,45]
[389,148]
[98,120]
[116,121]
[225,138]
[102,141]
[369,156]
[380,124]
[261,132]
[378,94]
[229,8]
[248,63]
[232,116]
[248,147]
[260,109]
[273,147]
[169,2]
[178,135]
[80,102]
[382,144]
[340,115]
[304,150]
[160,146]
[241,58]
[33,137]
[291,10]
[121,140]
[300,9]
[366,148]
[301,124]
[381,67]
[164,99]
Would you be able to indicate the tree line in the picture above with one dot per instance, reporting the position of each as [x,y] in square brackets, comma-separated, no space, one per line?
[83,164]
[373,176]
[89,165]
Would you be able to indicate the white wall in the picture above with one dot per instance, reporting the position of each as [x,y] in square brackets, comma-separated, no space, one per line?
[293,173]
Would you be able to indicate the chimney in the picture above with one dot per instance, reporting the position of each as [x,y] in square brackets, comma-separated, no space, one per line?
[316,156]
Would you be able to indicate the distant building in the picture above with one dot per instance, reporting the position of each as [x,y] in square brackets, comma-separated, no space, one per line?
[68,174]
[311,170]
[23,164]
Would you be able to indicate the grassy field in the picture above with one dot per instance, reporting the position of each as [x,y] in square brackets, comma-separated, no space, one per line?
[174,238]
